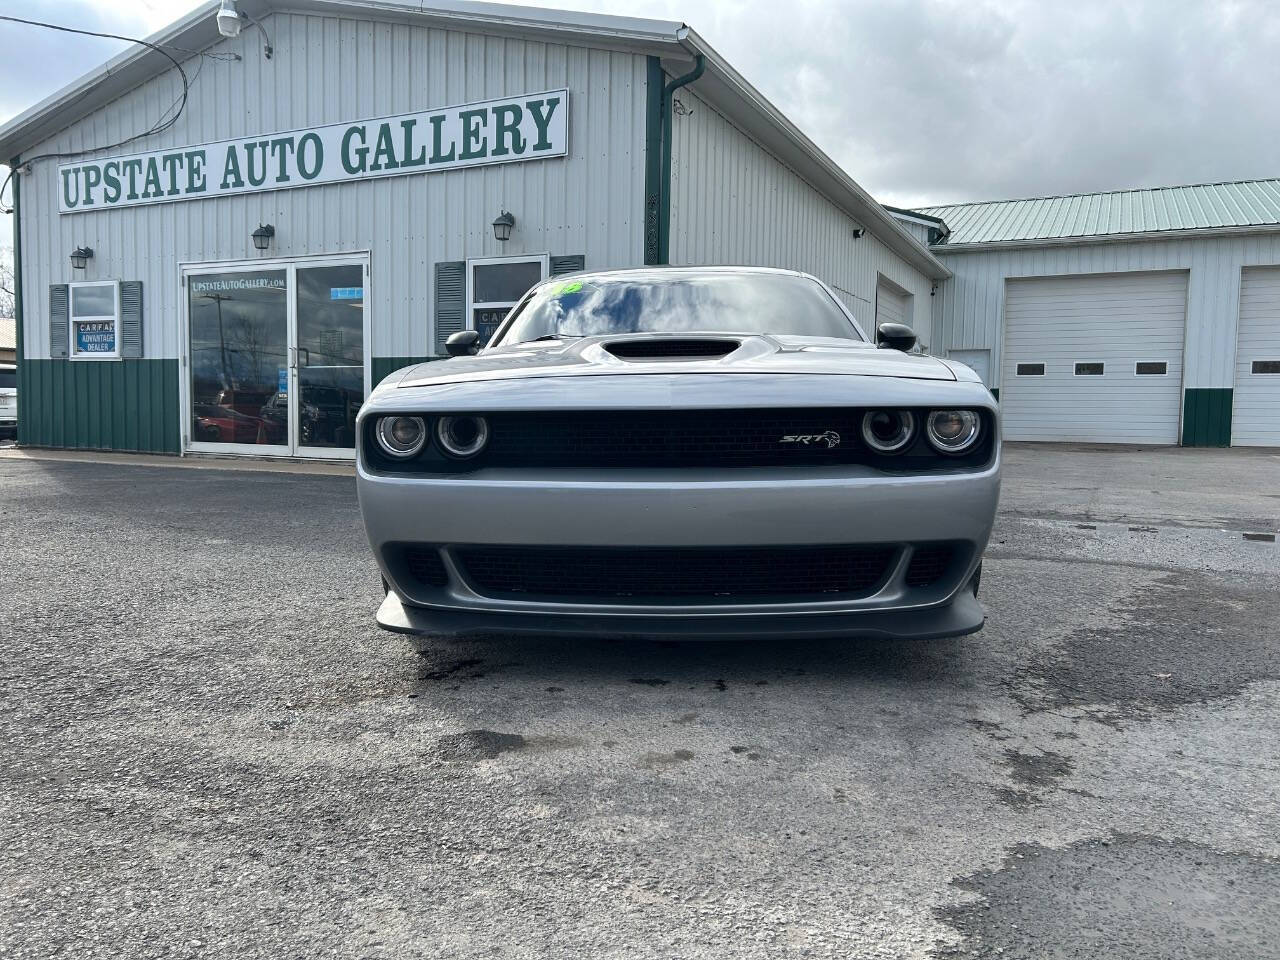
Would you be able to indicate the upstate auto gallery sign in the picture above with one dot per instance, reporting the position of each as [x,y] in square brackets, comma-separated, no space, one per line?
[495,131]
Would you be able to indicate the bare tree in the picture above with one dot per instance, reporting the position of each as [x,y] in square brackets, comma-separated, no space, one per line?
[7,285]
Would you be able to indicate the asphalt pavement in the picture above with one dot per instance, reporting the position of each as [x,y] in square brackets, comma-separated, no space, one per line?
[208,749]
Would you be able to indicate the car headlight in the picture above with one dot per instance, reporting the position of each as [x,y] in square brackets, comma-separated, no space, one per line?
[888,431]
[401,437]
[462,437]
[953,431]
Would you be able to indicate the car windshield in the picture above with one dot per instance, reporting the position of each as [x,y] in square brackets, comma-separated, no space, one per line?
[708,302]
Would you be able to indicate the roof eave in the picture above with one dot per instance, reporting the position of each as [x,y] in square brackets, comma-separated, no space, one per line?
[1186,234]
[126,70]
[198,30]
[749,109]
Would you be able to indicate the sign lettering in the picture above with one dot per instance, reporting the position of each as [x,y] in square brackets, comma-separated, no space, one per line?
[496,131]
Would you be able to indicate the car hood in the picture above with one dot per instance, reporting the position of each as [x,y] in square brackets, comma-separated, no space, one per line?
[754,353]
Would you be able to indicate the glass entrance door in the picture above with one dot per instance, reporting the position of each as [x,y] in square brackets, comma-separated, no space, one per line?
[329,358]
[276,358]
[238,361]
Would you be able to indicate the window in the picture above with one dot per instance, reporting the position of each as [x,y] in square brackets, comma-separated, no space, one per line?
[1151,368]
[1265,366]
[1089,368]
[494,286]
[94,329]
[1030,370]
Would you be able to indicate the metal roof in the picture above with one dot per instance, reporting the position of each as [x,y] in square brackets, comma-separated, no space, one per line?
[1234,205]
[676,43]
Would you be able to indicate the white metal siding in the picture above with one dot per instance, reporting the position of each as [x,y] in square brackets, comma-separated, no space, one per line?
[331,70]
[1255,414]
[891,306]
[733,202]
[1116,319]
[968,308]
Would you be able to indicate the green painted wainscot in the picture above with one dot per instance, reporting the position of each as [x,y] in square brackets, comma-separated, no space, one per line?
[129,405]
[382,367]
[1206,417]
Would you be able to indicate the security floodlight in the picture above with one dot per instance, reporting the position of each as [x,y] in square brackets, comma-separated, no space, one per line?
[228,19]
[502,226]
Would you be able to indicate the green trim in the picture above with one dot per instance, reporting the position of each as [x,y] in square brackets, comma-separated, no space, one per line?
[100,405]
[654,80]
[382,367]
[1206,417]
[17,290]
[995,392]
[668,93]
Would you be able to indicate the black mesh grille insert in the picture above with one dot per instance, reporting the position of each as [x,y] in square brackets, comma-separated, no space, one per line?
[650,349]
[656,438]
[720,575]
[425,566]
[929,563]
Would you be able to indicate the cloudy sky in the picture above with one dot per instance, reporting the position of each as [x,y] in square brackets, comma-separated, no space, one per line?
[922,101]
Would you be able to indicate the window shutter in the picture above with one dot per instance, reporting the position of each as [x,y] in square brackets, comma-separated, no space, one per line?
[574,263]
[131,318]
[59,323]
[451,301]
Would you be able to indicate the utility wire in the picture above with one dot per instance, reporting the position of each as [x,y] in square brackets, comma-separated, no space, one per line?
[158,127]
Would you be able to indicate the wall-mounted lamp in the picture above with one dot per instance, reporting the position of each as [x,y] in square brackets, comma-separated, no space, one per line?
[502,226]
[80,256]
[263,235]
[228,19]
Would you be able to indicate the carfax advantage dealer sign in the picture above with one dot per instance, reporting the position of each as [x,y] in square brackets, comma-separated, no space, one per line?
[496,131]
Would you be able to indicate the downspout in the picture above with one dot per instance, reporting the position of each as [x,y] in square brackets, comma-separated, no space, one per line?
[668,93]
[17,299]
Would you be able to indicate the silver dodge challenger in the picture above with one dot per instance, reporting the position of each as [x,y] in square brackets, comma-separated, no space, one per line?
[681,452]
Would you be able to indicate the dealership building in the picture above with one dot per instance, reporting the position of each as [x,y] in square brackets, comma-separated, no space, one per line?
[348,182]
[1138,316]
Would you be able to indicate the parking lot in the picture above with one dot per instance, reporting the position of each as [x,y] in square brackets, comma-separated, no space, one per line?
[210,749]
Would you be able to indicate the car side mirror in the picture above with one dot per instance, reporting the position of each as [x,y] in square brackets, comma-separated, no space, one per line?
[464,343]
[890,336]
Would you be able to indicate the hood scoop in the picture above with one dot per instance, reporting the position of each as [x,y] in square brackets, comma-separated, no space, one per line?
[670,348]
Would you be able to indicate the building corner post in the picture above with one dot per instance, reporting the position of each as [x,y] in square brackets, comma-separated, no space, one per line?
[654,80]
[18,360]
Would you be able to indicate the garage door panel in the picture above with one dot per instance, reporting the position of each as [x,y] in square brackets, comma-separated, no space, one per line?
[1117,320]
[1255,412]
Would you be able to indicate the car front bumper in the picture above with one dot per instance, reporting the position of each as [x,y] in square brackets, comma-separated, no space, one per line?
[682,509]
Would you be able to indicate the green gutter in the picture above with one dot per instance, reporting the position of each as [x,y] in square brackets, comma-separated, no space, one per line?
[668,93]
[17,292]
[657,179]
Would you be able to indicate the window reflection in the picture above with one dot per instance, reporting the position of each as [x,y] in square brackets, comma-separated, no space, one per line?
[239,340]
[330,354]
[709,301]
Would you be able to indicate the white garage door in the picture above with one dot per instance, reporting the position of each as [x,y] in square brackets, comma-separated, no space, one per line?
[891,306]
[1255,412]
[1096,359]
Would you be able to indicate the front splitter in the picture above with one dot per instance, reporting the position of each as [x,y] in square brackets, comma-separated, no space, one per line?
[961,616]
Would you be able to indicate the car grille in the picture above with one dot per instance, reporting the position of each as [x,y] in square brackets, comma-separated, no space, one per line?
[717,575]
[425,565]
[929,562]
[656,438]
